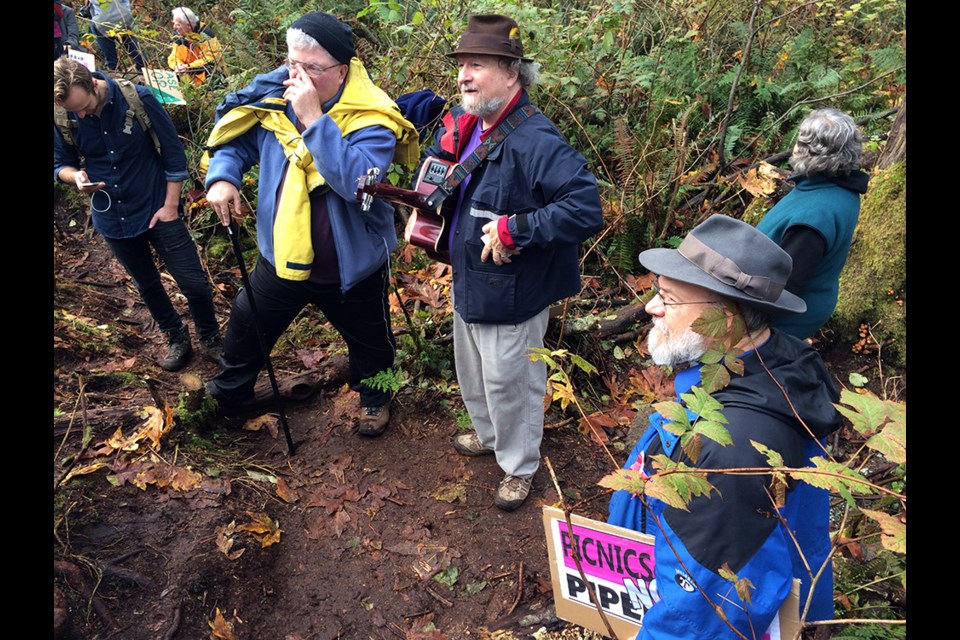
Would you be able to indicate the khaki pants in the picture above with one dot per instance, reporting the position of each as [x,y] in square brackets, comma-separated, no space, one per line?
[502,389]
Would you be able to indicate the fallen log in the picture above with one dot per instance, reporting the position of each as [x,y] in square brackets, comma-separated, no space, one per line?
[332,373]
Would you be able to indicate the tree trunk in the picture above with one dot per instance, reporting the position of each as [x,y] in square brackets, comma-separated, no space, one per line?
[896,148]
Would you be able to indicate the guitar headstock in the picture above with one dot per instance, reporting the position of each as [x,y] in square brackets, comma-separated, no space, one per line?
[364,187]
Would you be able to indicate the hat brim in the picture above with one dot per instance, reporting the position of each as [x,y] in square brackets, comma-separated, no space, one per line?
[485,51]
[669,263]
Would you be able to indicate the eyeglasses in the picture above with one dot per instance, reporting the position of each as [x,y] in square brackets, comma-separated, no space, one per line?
[657,292]
[312,70]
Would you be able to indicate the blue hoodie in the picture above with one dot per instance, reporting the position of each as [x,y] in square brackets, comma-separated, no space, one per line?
[737,525]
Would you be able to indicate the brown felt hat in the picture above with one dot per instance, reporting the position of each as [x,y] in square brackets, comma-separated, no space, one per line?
[491,35]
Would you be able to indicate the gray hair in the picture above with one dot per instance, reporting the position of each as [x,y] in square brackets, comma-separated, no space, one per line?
[753,318]
[529,72]
[184,13]
[299,39]
[828,144]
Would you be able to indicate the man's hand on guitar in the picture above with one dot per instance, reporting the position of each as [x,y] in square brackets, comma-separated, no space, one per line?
[492,246]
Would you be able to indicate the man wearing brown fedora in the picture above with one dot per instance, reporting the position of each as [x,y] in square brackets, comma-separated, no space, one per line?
[782,399]
[519,218]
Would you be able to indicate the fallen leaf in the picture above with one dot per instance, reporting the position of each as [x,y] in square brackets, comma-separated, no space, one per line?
[285,492]
[593,425]
[224,541]
[85,469]
[264,528]
[311,358]
[451,492]
[340,522]
[221,629]
[762,180]
[268,420]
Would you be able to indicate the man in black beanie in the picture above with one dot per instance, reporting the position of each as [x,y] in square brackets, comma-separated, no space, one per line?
[314,125]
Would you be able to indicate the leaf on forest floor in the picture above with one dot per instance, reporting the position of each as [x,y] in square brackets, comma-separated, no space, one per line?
[264,528]
[650,384]
[224,540]
[448,576]
[221,628]
[593,425]
[311,358]
[340,522]
[285,492]
[268,420]
[451,492]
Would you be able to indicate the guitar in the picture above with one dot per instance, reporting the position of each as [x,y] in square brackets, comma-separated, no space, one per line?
[427,228]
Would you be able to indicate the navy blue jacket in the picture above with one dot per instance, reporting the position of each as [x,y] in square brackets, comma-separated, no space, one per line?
[542,183]
[136,177]
[739,526]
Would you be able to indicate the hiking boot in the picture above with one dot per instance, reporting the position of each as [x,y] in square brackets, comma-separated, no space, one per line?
[374,420]
[227,407]
[468,444]
[212,348]
[179,350]
[511,493]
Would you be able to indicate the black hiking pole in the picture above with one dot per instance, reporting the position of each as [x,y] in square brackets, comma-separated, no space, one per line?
[256,325]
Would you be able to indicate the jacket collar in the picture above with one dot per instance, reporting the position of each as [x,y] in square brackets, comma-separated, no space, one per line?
[458,125]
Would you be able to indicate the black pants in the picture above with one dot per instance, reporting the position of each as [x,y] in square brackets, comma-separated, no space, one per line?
[361,316]
[178,251]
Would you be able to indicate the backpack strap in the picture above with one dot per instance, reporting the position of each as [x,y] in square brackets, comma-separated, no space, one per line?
[65,125]
[136,110]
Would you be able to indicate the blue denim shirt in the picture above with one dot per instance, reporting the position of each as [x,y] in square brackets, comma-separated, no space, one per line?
[136,177]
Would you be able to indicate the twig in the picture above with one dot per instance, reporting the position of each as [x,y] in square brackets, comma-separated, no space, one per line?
[733,87]
[174,625]
[439,597]
[85,443]
[576,554]
[818,623]
[516,600]
[418,614]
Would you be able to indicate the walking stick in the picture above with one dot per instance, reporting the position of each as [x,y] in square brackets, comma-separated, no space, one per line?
[256,325]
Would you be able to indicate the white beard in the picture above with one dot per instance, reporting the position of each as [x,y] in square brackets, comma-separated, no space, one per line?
[669,350]
[483,108]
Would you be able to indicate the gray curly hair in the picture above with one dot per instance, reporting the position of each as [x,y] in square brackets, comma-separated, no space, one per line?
[828,144]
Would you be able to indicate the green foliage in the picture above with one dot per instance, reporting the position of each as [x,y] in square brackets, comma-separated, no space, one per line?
[387,380]
[873,281]
[448,576]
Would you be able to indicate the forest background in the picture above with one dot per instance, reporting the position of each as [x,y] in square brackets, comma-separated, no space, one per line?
[684,109]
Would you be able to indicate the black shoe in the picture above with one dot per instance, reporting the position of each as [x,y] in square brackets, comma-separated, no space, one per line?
[229,408]
[179,350]
[212,348]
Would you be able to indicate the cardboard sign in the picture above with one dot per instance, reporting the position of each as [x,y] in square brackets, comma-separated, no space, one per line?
[164,85]
[618,563]
[86,59]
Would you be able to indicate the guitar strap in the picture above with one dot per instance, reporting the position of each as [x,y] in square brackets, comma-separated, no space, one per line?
[463,169]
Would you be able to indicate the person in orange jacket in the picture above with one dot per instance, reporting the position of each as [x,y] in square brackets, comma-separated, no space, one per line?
[196,51]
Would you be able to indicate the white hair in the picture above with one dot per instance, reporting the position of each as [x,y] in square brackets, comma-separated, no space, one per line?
[186,14]
[299,39]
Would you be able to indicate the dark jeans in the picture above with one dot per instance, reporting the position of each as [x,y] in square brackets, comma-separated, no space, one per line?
[176,248]
[108,46]
[361,316]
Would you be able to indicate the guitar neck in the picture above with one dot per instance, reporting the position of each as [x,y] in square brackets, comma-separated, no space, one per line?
[413,199]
